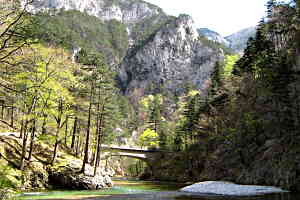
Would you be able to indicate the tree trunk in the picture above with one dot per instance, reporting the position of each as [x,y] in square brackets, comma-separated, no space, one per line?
[86,148]
[2,111]
[100,122]
[25,134]
[97,136]
[54,152]
[58,127]
[32,140]
[22,129]
[44,131]
[78,145]
[74,133]
[12,117]
[24,146]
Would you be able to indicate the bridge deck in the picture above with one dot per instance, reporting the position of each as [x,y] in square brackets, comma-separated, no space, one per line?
[130,149]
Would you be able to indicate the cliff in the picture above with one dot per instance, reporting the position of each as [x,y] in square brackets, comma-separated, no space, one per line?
[171,58]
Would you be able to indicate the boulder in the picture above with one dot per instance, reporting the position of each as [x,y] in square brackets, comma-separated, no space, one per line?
[230,189]
[70,178]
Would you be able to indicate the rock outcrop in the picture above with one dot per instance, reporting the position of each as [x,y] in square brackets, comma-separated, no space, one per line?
[172,58]
[68,177]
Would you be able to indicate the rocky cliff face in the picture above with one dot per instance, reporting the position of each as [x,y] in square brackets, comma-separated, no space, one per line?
[171,58]
[127,11]
[214,36]
[238,41]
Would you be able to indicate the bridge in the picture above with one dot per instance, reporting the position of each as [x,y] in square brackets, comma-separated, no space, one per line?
[146,155]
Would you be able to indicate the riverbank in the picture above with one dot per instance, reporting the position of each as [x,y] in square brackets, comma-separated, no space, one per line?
[121,188]
[272,163]
[40,174]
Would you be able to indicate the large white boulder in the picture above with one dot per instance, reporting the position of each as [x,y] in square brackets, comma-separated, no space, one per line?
[230,189]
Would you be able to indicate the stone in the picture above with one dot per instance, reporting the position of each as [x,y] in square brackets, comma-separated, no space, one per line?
[230,189]
[173,57]
[69,178]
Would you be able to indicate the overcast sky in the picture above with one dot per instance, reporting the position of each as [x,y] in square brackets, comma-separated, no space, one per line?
[222,16]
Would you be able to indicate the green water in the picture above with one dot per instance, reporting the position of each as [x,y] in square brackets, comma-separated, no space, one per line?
[140,190]
[120,188]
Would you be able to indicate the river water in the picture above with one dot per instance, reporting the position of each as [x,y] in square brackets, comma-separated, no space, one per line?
[141,190]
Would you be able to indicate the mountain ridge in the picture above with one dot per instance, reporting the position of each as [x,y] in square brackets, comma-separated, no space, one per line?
[236,41]
[149,32]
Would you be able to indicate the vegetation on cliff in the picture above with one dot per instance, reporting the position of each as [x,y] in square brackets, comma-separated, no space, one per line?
[73,29]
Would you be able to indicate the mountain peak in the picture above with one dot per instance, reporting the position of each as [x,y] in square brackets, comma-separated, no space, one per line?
[238,40]
[212,35]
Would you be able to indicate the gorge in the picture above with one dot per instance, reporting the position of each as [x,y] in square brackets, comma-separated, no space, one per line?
[80,77]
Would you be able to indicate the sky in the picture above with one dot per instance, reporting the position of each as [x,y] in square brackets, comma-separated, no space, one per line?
[223,16]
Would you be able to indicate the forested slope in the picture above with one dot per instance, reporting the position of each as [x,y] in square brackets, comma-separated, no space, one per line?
[246,129]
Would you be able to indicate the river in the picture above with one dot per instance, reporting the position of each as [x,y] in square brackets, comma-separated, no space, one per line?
[141,190]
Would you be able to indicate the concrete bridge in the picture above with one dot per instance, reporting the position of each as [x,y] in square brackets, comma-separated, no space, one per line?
[145,155]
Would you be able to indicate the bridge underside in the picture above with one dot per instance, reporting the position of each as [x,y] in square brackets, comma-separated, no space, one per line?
[130,155]
[145,155]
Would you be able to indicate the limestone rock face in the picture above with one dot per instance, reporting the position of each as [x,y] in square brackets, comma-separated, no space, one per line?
[170,58]
[127,11]
[214,36]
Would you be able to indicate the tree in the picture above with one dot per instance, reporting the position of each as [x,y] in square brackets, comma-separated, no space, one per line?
[86,148]
[149,138]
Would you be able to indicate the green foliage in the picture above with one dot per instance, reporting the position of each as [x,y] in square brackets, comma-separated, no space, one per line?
[149,138]
[89,58]
[75,29]
[230,61]
[9,177]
